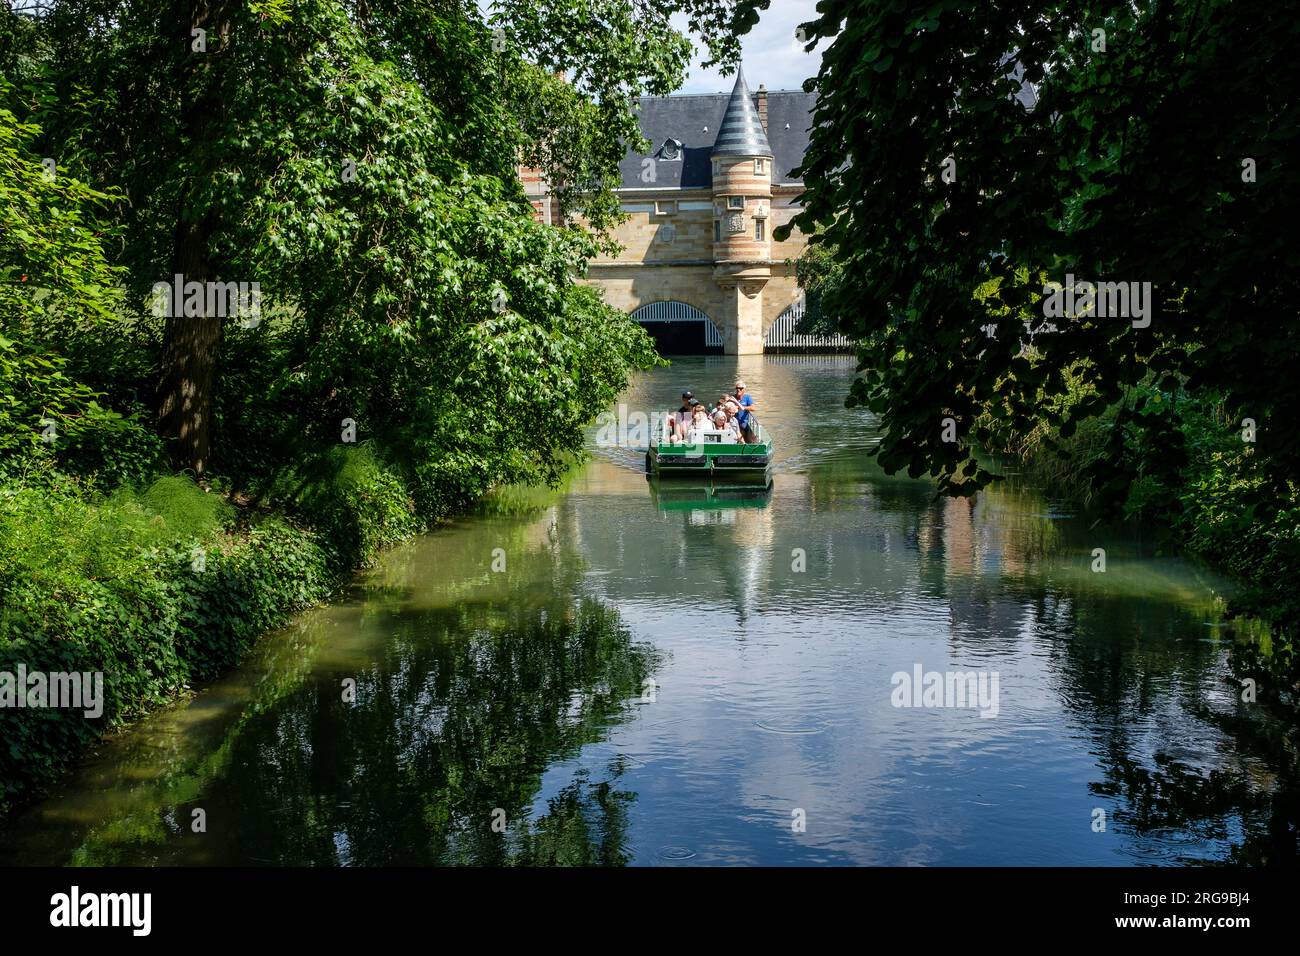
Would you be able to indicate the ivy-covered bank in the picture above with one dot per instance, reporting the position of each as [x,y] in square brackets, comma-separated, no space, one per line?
[158,591]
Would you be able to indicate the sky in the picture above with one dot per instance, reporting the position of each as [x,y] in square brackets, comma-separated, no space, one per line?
[772,55]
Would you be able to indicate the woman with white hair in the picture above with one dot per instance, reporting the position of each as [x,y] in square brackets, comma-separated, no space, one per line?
[726,425]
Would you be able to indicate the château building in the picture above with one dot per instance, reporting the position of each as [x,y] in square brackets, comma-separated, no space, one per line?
[699,267]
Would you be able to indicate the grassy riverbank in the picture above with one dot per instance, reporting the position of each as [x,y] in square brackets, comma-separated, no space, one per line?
[162,588]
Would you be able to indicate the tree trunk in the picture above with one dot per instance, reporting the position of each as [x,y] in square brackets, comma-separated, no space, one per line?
[191,344]
[190,348]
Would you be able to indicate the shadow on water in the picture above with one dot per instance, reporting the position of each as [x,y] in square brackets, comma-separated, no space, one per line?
[1143,697]
[705,497]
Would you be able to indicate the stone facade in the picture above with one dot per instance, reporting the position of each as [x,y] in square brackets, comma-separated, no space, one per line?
[702,207]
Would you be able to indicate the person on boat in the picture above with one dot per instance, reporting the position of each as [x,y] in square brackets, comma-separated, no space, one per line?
[683,413]
[745,414]
[730,433]
[699,423]
[681,419]
[699,417]
[670,429]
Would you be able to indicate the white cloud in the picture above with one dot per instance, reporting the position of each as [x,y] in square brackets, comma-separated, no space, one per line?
[771,55]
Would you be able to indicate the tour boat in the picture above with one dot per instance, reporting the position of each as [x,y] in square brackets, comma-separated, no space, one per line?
[710,457]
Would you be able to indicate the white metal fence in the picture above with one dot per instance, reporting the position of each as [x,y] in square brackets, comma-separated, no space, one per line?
[671,311]
[782,335]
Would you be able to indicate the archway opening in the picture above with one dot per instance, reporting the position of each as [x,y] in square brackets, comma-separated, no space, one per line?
[679,329]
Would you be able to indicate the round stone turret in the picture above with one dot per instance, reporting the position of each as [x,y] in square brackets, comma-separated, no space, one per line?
[742,182]
[742,237]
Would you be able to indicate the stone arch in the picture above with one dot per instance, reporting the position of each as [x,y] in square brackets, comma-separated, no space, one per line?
[679,328]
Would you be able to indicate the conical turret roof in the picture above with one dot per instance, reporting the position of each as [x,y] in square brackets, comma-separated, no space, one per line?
[741,132]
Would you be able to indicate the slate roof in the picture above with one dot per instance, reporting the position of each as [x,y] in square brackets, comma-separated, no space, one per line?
[741,132]
[694,120]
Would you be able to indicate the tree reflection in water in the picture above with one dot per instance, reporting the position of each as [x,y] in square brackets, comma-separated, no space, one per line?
[1142,695]
[454,725]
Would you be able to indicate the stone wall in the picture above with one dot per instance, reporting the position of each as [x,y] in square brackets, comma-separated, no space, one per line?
[644,237]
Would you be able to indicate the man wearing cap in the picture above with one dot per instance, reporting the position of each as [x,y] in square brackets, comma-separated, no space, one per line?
[745,418]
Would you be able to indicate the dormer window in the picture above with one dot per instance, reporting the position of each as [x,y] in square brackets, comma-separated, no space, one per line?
[671,149]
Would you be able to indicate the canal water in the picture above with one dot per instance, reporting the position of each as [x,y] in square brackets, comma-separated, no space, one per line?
[615,673]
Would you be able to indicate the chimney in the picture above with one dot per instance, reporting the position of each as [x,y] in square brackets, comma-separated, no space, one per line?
[761,97]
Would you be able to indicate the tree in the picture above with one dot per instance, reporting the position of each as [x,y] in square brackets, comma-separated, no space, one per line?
[962,146]
[321,149]
[51,258]
[819,276]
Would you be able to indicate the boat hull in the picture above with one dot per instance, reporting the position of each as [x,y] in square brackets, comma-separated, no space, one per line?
[731,462]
